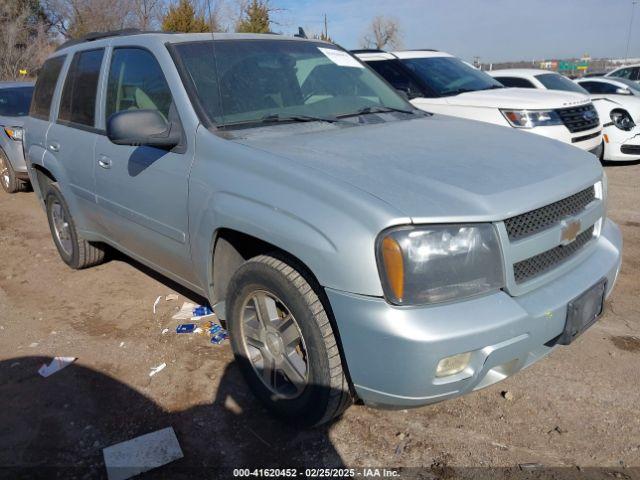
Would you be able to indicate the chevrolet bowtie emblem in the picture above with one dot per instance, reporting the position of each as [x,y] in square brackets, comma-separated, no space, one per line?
[570,231]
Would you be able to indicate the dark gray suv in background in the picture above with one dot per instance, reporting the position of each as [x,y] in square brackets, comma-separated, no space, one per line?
[15,98]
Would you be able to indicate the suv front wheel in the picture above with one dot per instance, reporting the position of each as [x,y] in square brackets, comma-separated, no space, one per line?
[74,250]
[284,344]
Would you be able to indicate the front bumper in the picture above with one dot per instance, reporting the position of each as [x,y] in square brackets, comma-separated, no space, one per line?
[620,145]
[15,154]
[587,140]
[392,352]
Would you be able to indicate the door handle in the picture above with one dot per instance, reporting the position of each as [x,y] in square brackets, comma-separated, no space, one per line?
[54,147]
[104,161]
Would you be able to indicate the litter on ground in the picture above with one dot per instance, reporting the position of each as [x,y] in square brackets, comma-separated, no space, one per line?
[186,328]
[170,297]
[141,454]
[185,312]
[219,337]
[57,364]
[155,304]
[157,369]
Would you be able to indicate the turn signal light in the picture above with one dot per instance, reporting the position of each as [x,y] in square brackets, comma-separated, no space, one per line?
[394,267]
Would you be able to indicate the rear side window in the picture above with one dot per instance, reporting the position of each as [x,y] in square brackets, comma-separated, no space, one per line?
[136,82]
[515,82]
[632,73]
[78,103]
[14,102]
[598,87]
[45,87]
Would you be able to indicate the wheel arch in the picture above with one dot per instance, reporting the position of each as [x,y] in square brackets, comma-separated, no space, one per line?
[231,248]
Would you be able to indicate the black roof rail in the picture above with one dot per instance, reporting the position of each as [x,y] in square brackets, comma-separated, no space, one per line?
[368,50]
[421,50]
[90,37]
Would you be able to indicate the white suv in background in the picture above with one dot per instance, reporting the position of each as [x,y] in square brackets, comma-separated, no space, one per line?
[632,72]
[441,83]
[613,98]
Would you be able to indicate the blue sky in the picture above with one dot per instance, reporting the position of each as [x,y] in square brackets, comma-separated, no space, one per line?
[494,30]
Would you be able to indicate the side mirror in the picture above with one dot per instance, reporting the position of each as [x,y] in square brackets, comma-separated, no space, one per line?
[142,127]
[623,91]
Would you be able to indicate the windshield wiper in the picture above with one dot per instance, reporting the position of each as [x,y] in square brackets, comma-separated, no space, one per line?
[366,110]
[278,117]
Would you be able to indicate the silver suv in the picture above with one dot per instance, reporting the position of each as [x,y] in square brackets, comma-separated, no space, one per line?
[15,98]
[356,247]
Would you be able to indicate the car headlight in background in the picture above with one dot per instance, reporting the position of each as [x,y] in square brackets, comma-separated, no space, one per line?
[14,133]
[531,118]
[622,119]
[431,264]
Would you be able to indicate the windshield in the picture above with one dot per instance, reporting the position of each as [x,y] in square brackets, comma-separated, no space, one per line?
[449,75]
[14,102]
[258,81]
[554,81]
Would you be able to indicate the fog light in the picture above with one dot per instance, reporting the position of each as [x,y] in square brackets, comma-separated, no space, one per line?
[453,364]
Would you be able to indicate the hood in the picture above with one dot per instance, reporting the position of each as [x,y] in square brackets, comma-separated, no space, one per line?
[604,105]
[438,168]
[519,98]
[12,121]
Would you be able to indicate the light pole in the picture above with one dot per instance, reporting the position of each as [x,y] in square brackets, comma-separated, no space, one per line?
[633,4]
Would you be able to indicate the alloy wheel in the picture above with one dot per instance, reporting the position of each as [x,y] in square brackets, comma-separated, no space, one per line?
[273,343]
[61,227]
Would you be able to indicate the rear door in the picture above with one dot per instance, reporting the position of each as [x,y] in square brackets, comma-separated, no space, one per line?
[143,191]
[40,111]
[71,139]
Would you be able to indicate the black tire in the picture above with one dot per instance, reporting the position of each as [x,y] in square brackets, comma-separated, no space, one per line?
[80,253]
[326,393]
[9,182]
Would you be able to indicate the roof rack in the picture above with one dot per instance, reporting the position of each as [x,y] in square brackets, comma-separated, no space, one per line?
[368,50]
[90,37]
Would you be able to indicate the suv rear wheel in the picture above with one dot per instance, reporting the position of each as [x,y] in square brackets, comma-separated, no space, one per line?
[284,343]
[74,250]
[8,180]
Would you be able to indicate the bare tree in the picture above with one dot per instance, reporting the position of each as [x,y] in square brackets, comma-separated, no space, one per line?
[383,31]
[146,14]
[74,18]
[24,42]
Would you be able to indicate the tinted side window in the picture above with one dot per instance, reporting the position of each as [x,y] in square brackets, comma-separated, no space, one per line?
[635,75]
[136,82]
[515,82]
[392,74]
[624,73]
[598,87]
[45,87]
[78,103]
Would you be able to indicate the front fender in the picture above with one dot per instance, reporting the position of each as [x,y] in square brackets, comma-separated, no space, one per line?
[329,226]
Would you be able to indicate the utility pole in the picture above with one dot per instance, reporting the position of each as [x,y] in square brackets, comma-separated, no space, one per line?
[633,4]
[326,31]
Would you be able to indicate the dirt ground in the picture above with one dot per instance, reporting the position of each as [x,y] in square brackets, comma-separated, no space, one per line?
[578,408]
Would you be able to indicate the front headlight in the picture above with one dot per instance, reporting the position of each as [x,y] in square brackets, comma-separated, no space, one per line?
[622,119]
[430,264]
[531,118]
[14,133]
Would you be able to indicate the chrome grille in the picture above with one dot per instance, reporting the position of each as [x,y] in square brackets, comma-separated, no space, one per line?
[545,261]
[577,119]
[537,220]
